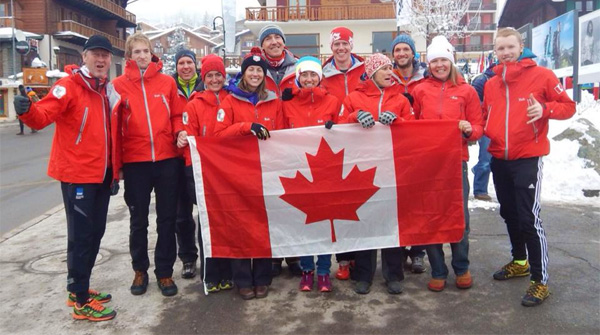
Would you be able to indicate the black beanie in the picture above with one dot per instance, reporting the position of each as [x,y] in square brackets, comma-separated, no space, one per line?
[255,57]
[185,53]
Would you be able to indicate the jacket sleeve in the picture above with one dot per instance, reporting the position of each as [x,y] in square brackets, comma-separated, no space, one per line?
[226,126]
[279,118]
[347,113]
[416,104]
[47,110]
[558,105]
[337,108]
[191,117]
[116,121]
[406,113]
[473,114]
[479,84]
[177,106]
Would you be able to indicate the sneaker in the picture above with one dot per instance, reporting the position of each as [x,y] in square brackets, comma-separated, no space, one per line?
[394,287]
[226,284]
[362,287]
[100,297]
[483,197]
[464,281]
[276,269]
[306,283]
[93,311]
[295,269]
[212,287]
[167,286]
[536,294]
[418,265]
[436,285]
[140,283]
[324,283]
[512,270]
[189,270]
[343,272]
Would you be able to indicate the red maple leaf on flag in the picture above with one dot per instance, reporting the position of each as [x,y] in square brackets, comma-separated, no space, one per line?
[329,196]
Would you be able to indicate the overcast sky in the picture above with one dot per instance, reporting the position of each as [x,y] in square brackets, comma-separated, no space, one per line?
[157,11]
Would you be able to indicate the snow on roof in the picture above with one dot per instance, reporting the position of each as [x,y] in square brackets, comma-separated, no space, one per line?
[236,35]
[6,33]
[49,74]
[70,33]
[166,31]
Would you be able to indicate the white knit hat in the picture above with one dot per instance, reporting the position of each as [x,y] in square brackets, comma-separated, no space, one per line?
[440,48]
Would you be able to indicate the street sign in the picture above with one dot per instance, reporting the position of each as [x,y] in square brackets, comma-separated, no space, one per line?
[22,47]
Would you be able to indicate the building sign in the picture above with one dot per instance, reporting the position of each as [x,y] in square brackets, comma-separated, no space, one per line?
[589,50]
[34,76]
[552,43]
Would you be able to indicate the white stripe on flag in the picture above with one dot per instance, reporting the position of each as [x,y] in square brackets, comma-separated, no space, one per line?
[201,200]
[369,148]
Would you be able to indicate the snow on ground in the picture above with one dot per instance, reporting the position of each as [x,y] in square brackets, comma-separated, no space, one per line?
[565,174]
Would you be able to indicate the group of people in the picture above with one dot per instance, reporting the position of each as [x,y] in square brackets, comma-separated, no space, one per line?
[136,128]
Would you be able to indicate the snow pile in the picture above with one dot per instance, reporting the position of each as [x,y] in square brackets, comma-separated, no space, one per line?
[565,174]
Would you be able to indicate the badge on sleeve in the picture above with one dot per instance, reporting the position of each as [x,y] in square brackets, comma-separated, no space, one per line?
[59,91]
[559,88]
[221,115]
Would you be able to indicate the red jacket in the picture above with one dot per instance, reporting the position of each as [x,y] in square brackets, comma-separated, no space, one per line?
[287,72]
[370,98]
[338,83]
[310,107]
[81,146]
[435,99]
[200,116]
[149,115]
[505,105]
[236,115]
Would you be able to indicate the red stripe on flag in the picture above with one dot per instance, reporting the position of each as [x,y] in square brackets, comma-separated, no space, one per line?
[428,165]
[234,197]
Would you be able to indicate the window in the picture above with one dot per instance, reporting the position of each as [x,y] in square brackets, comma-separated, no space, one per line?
[4,9]
[303,44]
[119,69]
[382,40]
[589,6]
[578,5]
[475,40]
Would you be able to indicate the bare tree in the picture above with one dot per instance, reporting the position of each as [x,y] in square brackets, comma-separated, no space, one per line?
[444,17]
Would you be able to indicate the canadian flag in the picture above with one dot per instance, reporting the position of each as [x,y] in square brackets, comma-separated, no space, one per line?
[310,191]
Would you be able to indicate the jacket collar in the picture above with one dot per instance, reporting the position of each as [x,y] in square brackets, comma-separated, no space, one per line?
[133,73]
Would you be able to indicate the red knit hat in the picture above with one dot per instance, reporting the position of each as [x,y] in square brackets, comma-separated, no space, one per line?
[341,34]
[376,62]
[212,63]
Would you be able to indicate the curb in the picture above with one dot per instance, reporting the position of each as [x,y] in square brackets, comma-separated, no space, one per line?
[17,230]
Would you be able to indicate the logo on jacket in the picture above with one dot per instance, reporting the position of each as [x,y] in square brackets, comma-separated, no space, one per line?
[558,88]
[59,91]
[454,97]
[221,115]
[184,118]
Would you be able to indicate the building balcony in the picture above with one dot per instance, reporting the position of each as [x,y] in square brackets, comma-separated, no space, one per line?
[481,26]
[473,47]
[6,21]
[106,7]
[321,13]
[78,33]
[474,6]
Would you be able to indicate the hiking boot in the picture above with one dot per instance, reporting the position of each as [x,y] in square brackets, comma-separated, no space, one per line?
[261,291]
[306,283]
[464,281]
[483,197]
[512,270]
[295,269]
[247,293]
[276,269]
[189,270]
[226,284]
[100,297]
[343,272]
[93,310]
[212,287]
[536,294]
[418,265]
[167,286]
[362,287]
[140,283]
[436,285]
[20,133]
[324,284]
[394,287]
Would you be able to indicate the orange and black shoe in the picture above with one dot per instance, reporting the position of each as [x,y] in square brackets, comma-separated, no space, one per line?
[98,296]
[93,310]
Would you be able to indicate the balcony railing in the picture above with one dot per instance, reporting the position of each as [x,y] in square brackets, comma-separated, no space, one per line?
[480,6]
[6,21]
[474,47]
[321,13]
[481,26]
[113,8]
[88,31]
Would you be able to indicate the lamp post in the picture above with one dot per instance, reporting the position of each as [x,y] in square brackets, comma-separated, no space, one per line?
[14,55]
[215,31]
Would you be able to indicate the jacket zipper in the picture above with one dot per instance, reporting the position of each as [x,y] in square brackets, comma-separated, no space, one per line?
[148,118]
[203,130]
[507,109]
[85,114]
[441,100]
[380,102]
[164,100]
[346,82]
[488,117]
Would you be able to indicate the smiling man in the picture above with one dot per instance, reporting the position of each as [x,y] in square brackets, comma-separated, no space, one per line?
[80,159]
[281,69]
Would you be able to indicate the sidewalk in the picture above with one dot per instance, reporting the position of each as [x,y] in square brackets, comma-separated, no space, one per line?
[34,280]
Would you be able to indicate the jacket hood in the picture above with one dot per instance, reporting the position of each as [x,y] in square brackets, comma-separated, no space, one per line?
[527,53]
[329,68]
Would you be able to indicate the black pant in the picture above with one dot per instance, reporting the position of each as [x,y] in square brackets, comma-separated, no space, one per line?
[140,179]
[391,265]
[249,272]
[518,186]
[414,251]
[86,207]
[344,256]
[185,226]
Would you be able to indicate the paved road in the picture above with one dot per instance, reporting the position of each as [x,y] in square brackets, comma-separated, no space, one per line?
[26,191]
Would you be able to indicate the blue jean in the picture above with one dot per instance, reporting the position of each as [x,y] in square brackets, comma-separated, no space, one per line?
[307,263]
[481,170]
[460,250]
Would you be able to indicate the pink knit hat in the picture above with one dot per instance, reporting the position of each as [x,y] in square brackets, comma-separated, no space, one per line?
[376,62]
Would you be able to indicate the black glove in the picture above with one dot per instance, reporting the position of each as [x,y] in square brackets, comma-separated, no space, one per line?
[22,104]
[329,124]
[365,119]
[287,94]
[387,118]
[114,187]
[409,97]
[260,131]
